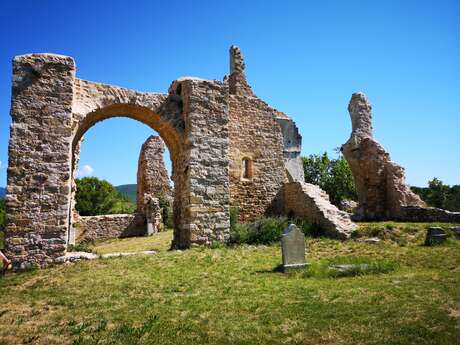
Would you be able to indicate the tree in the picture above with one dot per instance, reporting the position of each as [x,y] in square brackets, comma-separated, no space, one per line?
[340,184]
[332,175]
[438,193]
[95,197]
[316,168]
[453,200]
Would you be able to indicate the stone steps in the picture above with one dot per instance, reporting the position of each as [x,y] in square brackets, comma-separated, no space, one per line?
[308,201]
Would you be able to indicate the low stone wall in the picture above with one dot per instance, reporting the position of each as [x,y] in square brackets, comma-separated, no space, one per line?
[91,228]
[427,214]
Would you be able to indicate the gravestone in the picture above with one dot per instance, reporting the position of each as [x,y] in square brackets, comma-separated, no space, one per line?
[293,248]
[435,235]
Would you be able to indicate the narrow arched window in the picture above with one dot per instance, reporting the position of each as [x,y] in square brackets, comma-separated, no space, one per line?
[247,168]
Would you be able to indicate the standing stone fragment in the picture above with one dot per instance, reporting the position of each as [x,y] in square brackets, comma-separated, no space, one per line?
[152,176]
[380,182]
[293,248]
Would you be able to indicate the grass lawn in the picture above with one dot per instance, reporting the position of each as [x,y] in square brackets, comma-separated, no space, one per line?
[236,296]
[158,242]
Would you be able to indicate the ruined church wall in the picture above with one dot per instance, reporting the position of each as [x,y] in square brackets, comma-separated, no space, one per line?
[254,133]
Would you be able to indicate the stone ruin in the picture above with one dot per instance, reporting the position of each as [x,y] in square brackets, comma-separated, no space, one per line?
[380,183]
[227,147]
[152,179]
[152,176]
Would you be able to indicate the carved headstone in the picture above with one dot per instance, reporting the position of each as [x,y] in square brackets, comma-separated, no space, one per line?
[293,248]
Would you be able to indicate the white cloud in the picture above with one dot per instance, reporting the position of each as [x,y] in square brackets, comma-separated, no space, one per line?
[85,170]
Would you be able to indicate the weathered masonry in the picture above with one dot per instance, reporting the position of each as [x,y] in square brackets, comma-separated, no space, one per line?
[227,148]
[382,190]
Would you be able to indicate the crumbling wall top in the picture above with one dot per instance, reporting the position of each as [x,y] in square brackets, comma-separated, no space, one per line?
[237,80]
[361,114]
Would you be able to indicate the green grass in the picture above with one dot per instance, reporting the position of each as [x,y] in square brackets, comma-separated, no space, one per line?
[235,295]
[159,242]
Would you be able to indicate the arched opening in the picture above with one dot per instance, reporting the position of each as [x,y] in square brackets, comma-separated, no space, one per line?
[165,131]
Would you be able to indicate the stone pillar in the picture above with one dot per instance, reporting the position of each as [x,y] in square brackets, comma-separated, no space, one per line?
[39,171]
[205,191]
[152,176]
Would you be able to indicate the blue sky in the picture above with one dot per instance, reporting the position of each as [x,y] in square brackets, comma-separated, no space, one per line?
[305,58]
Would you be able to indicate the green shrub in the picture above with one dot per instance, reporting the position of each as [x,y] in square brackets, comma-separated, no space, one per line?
[234,214]
[307,227]
[267,230]
[80,247]
[239,233]
[262,231]
[167,212]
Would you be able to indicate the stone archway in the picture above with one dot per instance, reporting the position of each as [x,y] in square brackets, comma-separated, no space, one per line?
[52,109]
[172,136]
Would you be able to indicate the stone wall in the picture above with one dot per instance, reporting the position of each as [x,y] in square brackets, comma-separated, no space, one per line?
[152,176]
[96,228]
[427,214]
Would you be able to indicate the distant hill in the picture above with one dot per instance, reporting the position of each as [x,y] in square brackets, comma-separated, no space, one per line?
[128,190]
[2,192]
